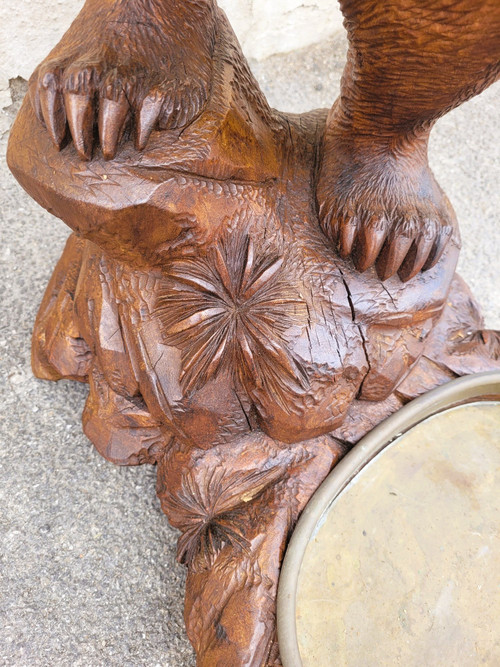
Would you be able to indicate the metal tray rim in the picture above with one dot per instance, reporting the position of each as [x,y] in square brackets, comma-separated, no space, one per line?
[460,391]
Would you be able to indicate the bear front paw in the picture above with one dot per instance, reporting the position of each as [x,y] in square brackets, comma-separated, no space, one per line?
[112,71]
[384,211]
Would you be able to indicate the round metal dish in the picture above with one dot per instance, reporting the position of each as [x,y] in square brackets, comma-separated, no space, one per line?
[447,404]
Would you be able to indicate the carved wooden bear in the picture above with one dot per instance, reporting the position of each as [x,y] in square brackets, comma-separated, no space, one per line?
[207,293]
[151,62]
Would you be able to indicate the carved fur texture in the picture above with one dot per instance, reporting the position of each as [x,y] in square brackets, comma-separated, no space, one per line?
[408,64]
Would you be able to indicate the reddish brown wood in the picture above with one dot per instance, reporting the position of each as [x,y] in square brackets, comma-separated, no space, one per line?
[207,294]
[409,62]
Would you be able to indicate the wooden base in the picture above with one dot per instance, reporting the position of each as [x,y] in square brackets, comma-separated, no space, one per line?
[235,492]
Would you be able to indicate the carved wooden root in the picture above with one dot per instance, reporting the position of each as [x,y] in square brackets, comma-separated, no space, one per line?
[202,296]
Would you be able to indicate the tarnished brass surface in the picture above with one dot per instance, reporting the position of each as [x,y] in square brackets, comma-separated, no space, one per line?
[404,568]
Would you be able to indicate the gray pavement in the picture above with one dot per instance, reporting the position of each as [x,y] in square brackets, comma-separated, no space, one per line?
[87,560]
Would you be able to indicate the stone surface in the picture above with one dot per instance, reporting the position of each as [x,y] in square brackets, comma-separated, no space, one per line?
[87,570]
[404,566]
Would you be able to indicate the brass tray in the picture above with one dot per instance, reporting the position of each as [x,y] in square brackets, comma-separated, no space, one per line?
[396,558]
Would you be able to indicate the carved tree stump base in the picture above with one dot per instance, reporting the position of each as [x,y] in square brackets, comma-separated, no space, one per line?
[233,490]
[211,293]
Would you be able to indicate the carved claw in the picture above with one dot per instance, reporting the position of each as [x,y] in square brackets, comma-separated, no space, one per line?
[438,247]
[149,112]
[347,237]
[114,112]
[113,116]
[34,94]
[80,111]
[376,214]
[109,68]
[404,247]
[370,240]
[80,85]
[416,258]
[50,106]
[393,254]
[71,97]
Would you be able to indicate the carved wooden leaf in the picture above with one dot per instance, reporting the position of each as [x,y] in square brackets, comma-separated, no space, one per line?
[210,511]
[233,309]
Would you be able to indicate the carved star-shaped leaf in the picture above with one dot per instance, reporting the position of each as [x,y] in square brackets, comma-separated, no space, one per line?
[211,510]
[233,309]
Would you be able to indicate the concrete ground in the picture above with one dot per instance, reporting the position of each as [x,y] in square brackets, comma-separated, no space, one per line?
[87,560]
